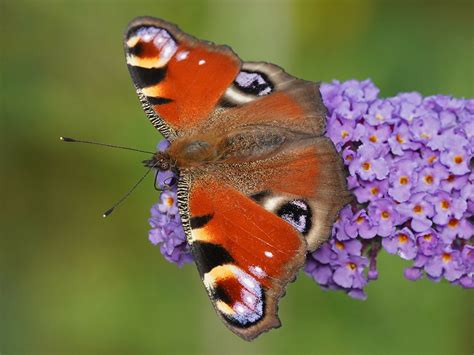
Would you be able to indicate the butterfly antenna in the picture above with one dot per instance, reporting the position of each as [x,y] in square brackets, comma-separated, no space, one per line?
[124,197]
[72,140]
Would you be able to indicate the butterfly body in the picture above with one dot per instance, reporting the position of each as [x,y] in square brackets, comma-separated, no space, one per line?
[259,184]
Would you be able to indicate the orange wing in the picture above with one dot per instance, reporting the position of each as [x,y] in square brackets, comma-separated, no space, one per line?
[178,78]
[245,255]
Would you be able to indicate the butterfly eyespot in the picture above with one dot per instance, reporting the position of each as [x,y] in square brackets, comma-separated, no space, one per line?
[253,83]
[239,296]
[298,214]
[150,47]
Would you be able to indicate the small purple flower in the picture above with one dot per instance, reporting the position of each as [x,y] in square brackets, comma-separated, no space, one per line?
[358,294]
[361,226]
[401,179]
[165,179]
[348,247]
[429,157]
[385,216]
[340,133]
[371,191]
[460,228]
[413,273]
[402,243]
[453,182]
[321,273]
[456,160]
[410,107]
[350,111]
[369,164]
[448,264]
[447,206]
[348,155]
[425,128]
[360,91]
[345,217]
[430,177]
[377,136]
[419,210]
[349,273]
[401,140]
[380,112]
[168,203]
[163,145]
[429,243]
[324,254]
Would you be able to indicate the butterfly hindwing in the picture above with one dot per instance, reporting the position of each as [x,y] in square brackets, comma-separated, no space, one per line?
[263,93]
[245,255]
[306,186]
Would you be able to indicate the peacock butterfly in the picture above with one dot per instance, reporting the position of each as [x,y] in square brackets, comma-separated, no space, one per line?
[259,185]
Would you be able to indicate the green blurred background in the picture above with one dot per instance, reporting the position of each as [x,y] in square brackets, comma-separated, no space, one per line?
[73,283]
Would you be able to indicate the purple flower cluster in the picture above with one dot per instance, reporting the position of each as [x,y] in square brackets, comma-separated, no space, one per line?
[409,161]
[165,222]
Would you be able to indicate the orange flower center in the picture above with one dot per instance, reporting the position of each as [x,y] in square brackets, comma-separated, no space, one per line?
[360,219]
[417,209]
[446,257]
[453,223]
[373,138]
[385,215]
[458,159]
[169,201]
[428,179]
[404,180]
[352,266]
[402,238]
[431,159]
[451,178]
[349,157]
[344,133]
[444,204]
[374,191]
[339,245]
[400,139]
[366,166]
[428,237]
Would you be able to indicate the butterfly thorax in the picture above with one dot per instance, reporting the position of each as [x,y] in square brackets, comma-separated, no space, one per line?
[235,146]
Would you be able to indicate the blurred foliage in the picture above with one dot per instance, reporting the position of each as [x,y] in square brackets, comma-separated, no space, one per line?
[73,283]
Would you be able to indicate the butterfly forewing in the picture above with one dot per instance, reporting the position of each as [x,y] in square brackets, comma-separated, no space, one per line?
[178,78]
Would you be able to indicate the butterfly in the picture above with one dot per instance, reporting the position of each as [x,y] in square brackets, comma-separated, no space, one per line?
[259,185]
